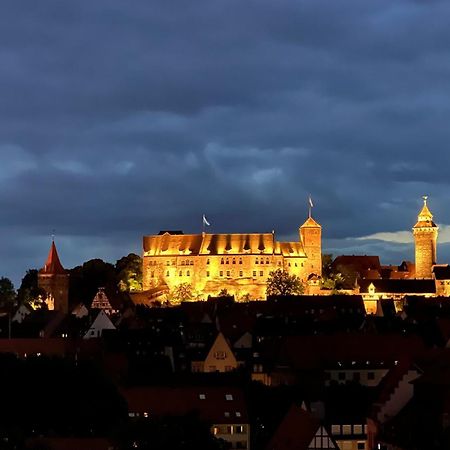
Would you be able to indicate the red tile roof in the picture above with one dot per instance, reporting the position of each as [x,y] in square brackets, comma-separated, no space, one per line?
[53,265]
[295,432]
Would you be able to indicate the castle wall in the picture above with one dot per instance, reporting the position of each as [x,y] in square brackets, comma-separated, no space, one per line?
[58,287]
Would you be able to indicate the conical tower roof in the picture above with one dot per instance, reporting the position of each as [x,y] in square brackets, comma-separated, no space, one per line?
[425,218]
[53,265]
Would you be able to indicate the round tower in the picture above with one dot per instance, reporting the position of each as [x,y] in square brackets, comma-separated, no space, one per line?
[425,233]
[311,237]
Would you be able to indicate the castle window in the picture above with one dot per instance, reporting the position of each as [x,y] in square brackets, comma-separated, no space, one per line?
[182,263]
[227,261]
[256,261]
[267,261]
[241,273]
[222,261]
[289,264]
[167,263]
[207,261]
[261,273]
[167,273]
[152,274]
[234,260]
[221,273]
[302,264]
[240,260]
[181,273]
[191,263]
[188,273]
[207,273]
[295,264]
[228,273]
[254,273]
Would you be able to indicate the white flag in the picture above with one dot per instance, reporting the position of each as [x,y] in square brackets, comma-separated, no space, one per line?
[310,202]
[205,222]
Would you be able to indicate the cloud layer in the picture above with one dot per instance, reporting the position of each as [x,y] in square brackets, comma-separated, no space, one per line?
[118,120]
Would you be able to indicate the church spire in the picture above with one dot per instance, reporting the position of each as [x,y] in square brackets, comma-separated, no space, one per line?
[425,214]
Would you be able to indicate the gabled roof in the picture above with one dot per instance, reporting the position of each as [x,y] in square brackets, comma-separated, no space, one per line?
[297,432]
[441,272]
[53,265]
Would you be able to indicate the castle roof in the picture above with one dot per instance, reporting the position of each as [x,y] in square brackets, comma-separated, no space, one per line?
[219,244]
[425,218]
[53,265]
[310,223]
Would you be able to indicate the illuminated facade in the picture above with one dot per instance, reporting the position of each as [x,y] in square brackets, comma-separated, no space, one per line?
[425,236]
[54,279]
[239,263]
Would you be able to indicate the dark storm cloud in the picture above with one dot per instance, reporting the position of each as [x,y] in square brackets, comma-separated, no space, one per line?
[119,119]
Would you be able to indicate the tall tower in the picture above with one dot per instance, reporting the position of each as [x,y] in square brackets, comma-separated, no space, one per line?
[311,237]
[54,279]
[425,236]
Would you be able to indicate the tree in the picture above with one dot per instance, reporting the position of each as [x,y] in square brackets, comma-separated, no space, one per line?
[129,273]
[29,291]
[281,283]
[183,293]
[332,279]
[7,292]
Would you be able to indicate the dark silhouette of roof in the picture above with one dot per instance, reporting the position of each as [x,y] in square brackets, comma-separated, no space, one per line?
[399,286]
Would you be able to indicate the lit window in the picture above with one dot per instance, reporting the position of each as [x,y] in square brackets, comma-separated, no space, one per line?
[220,355]
[261,273]
[221,273]
[202,396]
[238,414]
[346,429]
[357,429]
[335,429]
[228,397]
[226,414]
[228,273]
[241,273]
[188,273]
[146,414]
[254,273]
[207,273]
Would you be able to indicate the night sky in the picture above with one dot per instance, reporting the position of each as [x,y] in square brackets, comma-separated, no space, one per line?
[118,119]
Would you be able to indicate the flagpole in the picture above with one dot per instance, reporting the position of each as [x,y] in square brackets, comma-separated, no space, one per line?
[309,206]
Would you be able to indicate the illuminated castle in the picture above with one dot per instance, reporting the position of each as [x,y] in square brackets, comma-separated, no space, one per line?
[425,236]
[239,263]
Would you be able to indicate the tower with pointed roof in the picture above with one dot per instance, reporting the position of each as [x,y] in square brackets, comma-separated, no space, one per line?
[311,237]
[54,279]
[425,233]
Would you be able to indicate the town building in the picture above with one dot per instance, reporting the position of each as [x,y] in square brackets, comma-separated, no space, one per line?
[237,263]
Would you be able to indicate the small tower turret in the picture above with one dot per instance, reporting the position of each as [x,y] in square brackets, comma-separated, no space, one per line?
[425,233]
